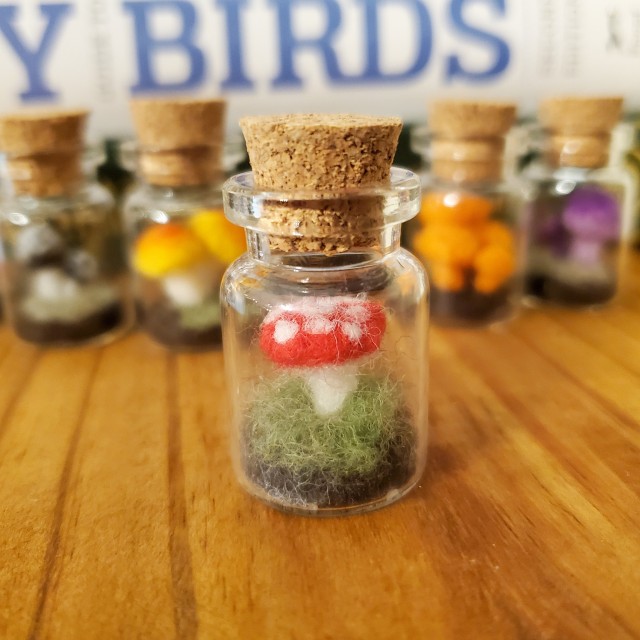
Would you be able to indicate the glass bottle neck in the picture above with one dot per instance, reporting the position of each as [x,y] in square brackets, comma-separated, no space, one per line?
[262,247]
[167,191]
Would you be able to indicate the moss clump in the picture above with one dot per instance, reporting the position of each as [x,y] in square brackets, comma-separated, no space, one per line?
[353,456]
[201,316]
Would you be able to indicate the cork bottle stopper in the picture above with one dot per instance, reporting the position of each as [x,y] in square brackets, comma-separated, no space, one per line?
[323,153]
[180,140]
[579,129]
[44,150]
[468,140]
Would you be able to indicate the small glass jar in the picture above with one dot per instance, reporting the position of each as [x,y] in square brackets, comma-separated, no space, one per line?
[64,281]
[575,207]
[326,355]
[180,243]
[468,232]
[633,164]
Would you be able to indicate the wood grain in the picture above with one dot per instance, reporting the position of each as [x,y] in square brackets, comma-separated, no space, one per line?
[120,516]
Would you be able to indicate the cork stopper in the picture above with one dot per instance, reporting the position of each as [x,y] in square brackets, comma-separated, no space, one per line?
[44,150]
[579,129]
[180,140]
[323,153]
[468,141]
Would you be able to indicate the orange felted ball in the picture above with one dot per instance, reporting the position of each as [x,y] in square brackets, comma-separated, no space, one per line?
[447,244]
[494,265]
[497,233]
[446,277]
[455,208]
[486,284]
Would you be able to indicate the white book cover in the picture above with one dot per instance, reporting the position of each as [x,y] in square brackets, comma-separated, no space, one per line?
[269,56]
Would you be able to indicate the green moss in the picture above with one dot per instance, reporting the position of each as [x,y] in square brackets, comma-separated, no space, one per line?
[201,316]
[284,431]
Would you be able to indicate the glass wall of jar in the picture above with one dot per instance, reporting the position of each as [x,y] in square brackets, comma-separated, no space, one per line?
[180,242]
[633,164]
[326,357]
[575,210]
[468,232]
[64,281]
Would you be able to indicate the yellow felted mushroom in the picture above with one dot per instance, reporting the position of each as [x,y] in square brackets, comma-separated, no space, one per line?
[175,255]
[224,240]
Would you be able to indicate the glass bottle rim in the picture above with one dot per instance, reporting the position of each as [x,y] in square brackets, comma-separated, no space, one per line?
[422,136]
[399,200]
[233,152]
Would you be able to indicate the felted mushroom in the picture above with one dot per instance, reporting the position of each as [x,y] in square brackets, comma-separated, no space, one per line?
[592,216]
[173,254]
[324,339]
[224,240]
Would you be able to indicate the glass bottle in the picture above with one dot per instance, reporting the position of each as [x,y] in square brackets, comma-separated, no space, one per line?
[468,232]
[64,282]
[575,209]
[325,318]
[633,164]
[179,240]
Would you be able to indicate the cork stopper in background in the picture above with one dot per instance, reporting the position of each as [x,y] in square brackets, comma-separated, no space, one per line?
[579,129]
[180,140]
[44,150]
[324,153]
[468,140]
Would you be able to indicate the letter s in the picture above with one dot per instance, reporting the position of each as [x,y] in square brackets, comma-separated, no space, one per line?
[455,69]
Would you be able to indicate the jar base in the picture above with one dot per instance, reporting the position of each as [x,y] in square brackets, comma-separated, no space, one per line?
[544,290]
[468,309]
[99,328]
[162,323]
[392,496]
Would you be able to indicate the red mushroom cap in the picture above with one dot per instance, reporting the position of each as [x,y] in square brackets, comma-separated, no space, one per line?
[321,331]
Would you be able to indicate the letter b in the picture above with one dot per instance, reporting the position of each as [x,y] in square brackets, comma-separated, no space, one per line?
[147,45]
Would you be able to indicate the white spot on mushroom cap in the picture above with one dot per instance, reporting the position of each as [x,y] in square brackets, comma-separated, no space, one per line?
[358,313]
[321,305]
[284,331]
[319,325]
[352,331]
[313,316]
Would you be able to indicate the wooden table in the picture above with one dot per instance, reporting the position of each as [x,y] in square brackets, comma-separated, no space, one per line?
[120,516]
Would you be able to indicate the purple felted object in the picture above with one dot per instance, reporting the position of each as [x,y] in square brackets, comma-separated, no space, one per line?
[592,216]
[551,233]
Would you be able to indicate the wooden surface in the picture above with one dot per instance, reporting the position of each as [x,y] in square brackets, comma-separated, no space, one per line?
[120,517]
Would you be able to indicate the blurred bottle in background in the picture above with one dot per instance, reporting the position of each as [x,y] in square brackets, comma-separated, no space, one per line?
[179,240]
[62,285]
[633,164]
[576,209]
[468,232]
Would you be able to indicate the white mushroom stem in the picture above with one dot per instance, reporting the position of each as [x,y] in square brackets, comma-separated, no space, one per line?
[191,287]
[331,385]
